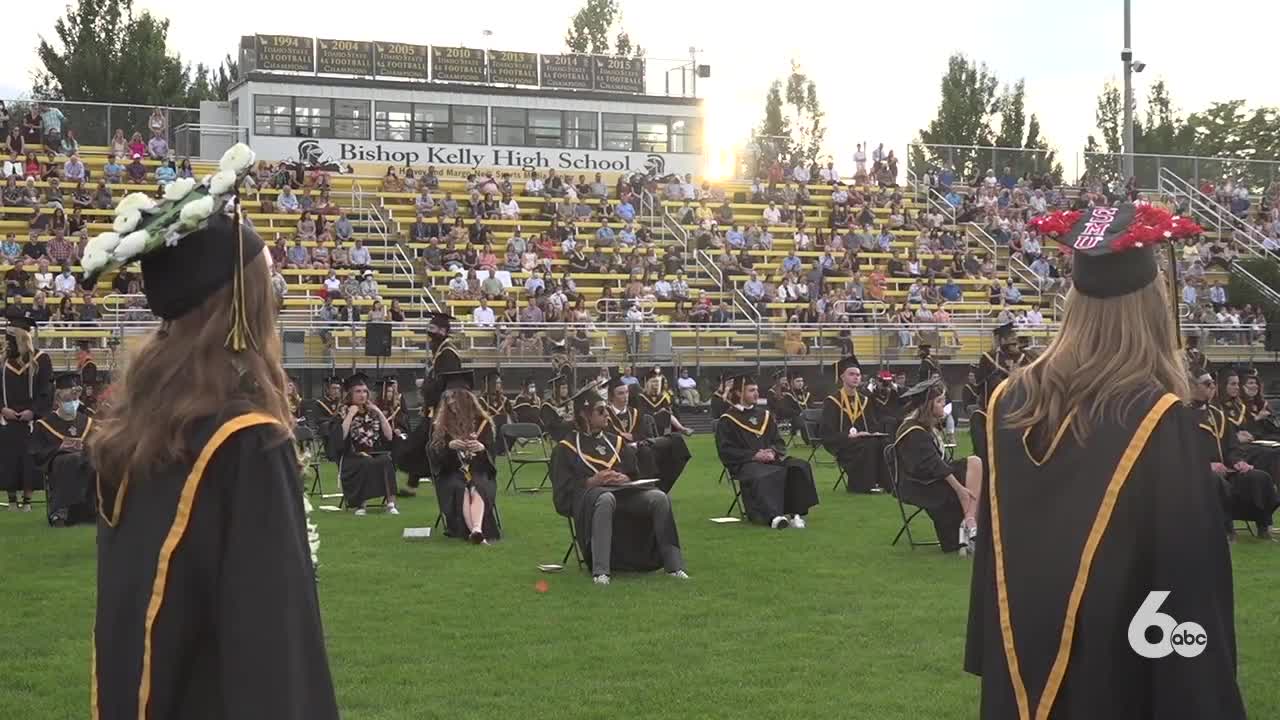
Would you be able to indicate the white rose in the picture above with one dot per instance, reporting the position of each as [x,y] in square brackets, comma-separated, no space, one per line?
[94,260]
[238,158]
[131,246]
[106,242]
[135,202]
[222,182]
[177,189]
[196,211]
[127,222]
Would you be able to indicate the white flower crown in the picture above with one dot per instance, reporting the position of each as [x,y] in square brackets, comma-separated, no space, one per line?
[142,224]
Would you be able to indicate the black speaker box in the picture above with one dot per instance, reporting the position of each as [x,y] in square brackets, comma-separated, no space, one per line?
[377,339]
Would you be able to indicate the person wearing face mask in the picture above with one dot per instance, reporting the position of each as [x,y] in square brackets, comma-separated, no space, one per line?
[527,406]
[27,396]
[57,448]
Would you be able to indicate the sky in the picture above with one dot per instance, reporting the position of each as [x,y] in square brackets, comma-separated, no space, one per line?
[877,65]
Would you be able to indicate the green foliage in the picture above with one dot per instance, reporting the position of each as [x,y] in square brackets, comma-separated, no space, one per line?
[1242,291]
[793,121]
[970,113]
[590,28]
[104,53]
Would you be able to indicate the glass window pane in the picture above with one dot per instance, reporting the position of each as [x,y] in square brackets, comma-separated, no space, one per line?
[544,119]
[351,119]
[512,117]
[470,134]
[619,123]
[618,141]
[508,135]
[392,121]
[431,114]
[468,114]
[273,104]
[545,137]
[311,107]
[580,120]
[580,139]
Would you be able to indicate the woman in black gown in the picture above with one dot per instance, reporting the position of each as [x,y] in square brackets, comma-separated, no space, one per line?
[366,469]
[462,443]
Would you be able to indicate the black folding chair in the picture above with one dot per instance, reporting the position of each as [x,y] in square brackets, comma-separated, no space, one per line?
[812,418]
[733,485]
[525,445]
[891,460]
[573,546]
[497,516]
[342,503]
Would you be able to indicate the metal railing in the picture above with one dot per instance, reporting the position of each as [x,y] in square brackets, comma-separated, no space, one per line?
[94,123]
[1147,169]
[1238,229]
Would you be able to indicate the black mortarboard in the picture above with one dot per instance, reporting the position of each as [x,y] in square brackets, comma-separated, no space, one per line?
[923,392]
[67,380]
[1005,332]
[354,380]
[333,380]
[845,363]
[739,382]
[614,382]
[18,319]
[1113,248]
[444,321]
[390,380]
[586,397]
[559,380]
[458,379]
[925,348]
[176,279]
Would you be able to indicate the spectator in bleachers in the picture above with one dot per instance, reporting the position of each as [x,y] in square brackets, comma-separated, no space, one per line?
[39,311]
[332,284]
[342,230]
[34,248]
[158,147]
[15,142]
[53,196]
[136,171]
[51,121]
[306,227]
[391,181]
[368,285]
[32,126]
[70,145]
[59,248]
[81,199]
[378,312]
[167,172]
[66,312]
[10,250]
[13,168]
[13,196]
[73,169]
[299,256]
[359,256]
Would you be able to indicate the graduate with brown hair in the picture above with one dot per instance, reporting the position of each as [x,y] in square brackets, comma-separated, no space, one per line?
[462,444]
[1099,494]
[851,431]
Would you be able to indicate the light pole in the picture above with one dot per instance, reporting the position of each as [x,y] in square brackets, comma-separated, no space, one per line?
[1126,57]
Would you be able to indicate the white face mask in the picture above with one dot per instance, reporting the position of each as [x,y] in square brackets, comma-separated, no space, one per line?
[70,407]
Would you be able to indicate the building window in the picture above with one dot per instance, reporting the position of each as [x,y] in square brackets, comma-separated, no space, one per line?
[393,122]
[509,126]
[619,132]
[312,117]
[469,124]
[351,119]
[544,128]
[652,134]
[272,115]
[431,123]
[580,130]
[686,135]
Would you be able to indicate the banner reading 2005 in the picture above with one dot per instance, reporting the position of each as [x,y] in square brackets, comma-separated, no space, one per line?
[400,60]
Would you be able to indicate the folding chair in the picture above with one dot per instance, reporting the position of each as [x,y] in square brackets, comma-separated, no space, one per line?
[733,485]
[891,460]
[342,502]
[573,546]
[497,516]
[812,418]
[525,445]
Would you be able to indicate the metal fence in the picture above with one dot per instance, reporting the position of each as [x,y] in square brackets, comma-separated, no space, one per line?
[95,123]
[970,162]
[1256,175]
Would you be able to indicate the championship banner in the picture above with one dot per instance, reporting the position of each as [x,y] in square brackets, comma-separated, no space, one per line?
[457,64]
[513,68]
[344,57]
[400,60]
[286,52]
[567,71]
[619,74]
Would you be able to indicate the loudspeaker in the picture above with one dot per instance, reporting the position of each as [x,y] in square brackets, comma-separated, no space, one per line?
[377,339]
[1273,336]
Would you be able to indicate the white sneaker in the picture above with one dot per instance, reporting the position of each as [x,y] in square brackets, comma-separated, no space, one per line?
[600,579]
[798,522]
[26,506]
[679,575]
[393,510]
[361,512]
[780,523]
[964,542]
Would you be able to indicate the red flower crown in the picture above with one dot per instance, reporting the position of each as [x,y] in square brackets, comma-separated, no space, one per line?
[1151,224]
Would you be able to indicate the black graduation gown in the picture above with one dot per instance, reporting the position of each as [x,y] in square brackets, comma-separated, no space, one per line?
[862,459]
[444,359]
[451,484]
[886,408]
[217,554]
[366,471]
[89,379]
[322,415]
[670,450]
[500,413]
[1141,483]
[635,540]
[26,387]
[992,369]
[768,489]
[718,405]
[552,418]
[922,480]
[527,409]
[57,450]
[928,368]
[657,456]
[1251,495]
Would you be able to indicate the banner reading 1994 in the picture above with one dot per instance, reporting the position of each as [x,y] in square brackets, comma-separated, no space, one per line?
[286,52]
[344,57]
[458,64]
[400,60]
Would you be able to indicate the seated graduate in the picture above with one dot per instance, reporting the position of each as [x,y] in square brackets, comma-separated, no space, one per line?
[462,460]
[948,491]
[498,406]
[618,528]
[781,405]
[886,402]
[367,470]
[657,455]
[1259,421]
[776,490]
[1246,492]
[851,431]
[928,366]
[800,398]
[556,414]
[527,407]
[653,399]
[325,414]
[718,403]
[57,447]
[391,403]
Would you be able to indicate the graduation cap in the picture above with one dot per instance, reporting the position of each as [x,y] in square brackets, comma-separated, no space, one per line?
[922,392]
[355,380]
[1113,248]
[333,380]
[458,379]
[925,348]
[739,382]
[444,321]
[559,380]
[845,363]
[67,380]
[587,397]
[18,320]
[191,242]
[614,381]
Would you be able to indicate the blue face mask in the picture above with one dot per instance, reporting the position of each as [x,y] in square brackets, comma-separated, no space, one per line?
[70,407]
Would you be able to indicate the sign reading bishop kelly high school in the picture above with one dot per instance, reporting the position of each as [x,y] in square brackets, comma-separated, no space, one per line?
[362,155]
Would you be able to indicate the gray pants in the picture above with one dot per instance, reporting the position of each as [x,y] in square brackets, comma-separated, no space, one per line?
[654,504]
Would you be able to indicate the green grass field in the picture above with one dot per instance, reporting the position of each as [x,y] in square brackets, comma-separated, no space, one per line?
[826,622]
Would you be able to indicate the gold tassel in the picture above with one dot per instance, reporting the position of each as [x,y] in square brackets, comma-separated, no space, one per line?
[240,338]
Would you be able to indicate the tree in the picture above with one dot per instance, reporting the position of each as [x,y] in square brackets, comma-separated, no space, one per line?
[772,139]
[806,115]
[590,29]
[1013,116]
[964,114]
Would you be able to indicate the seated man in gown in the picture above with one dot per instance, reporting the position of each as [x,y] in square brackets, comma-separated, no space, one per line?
[462,451]
[619,525]
[365,434]
[659,455]
[776,490]
[57,447]
[851,431]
